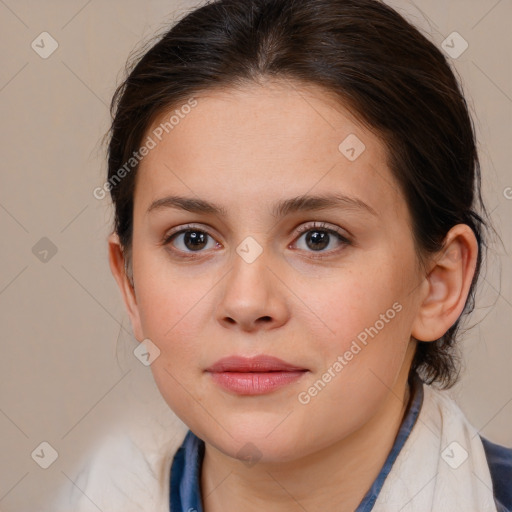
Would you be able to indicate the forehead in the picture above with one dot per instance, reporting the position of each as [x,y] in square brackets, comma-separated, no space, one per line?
[260,142]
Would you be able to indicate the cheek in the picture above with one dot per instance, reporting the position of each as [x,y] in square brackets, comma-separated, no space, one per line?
[369,313]
[169,298]
[360,305]
[362,359]
[172,316]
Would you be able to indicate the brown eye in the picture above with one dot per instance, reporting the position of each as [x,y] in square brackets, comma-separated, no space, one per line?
[189,241]
[318,238]
[194,240]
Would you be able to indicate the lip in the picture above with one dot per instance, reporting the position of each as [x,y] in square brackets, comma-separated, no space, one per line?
[261,363]
[254,375]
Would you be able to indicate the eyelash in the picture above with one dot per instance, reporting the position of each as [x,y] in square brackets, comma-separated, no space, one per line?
[319,226]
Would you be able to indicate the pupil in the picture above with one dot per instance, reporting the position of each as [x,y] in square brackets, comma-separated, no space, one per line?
[319,239]
[196,239]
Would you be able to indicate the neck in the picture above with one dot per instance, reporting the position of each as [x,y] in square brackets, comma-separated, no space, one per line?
[228,484]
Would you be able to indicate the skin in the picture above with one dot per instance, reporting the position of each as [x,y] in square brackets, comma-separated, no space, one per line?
[245,149]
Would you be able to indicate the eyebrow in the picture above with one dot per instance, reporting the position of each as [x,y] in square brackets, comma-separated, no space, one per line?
[278,210]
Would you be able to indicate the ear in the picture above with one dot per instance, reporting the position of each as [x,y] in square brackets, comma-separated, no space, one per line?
[117,266]
[448,284]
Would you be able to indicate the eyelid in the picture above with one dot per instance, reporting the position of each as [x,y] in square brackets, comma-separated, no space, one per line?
[343,233]
[169,234]
[298,231]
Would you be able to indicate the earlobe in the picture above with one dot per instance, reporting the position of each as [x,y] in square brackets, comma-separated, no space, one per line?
[118,269]
[448,284]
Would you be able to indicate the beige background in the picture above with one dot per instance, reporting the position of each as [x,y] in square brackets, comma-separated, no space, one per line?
[62,380]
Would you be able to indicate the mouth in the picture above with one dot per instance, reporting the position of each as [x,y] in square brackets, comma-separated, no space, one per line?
[254,376]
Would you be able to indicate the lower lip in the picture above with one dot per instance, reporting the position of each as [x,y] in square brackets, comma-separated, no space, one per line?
[256,383]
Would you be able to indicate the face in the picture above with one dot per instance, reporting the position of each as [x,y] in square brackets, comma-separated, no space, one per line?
[330,286]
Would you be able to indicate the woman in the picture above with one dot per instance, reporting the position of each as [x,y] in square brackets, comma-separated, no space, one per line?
[297,236]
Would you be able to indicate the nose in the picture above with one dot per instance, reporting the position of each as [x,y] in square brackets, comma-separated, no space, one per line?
[253,297]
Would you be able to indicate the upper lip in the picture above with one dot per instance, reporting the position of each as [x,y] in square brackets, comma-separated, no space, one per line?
[261,363]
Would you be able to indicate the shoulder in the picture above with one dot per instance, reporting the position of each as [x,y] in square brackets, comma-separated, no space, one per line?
[444,411]
[126,470]
[499,459]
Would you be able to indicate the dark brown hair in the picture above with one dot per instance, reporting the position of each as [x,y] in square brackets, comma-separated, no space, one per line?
[397,82]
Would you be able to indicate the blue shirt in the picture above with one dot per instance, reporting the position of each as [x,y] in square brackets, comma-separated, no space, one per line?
[185,490]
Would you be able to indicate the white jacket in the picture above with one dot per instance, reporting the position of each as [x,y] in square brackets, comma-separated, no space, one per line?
[129,471]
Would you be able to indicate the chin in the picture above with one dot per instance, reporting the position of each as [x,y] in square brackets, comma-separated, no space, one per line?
[253,441]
